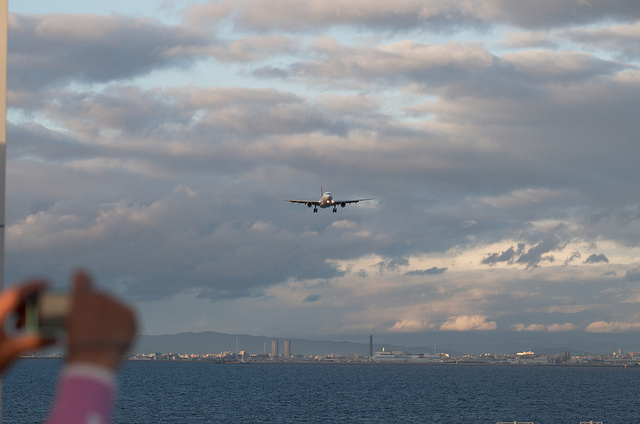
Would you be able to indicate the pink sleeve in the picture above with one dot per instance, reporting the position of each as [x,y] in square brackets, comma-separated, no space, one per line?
[85,396]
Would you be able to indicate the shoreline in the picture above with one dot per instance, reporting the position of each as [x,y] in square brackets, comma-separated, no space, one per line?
[451,363]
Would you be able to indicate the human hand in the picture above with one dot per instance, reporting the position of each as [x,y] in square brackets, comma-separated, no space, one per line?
[99,328]
[11,300]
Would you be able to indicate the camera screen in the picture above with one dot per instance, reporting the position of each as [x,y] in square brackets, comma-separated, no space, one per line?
[53,309]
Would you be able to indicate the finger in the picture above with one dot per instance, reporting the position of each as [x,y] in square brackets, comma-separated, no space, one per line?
[81,284]
[13,297]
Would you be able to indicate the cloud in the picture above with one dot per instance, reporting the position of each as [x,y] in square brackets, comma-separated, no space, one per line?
[612,327]
[562,327]
[431,271]
[406,326]
[344,224]
[288,15]
[530,39]
[252,49]
[468,224]
[392,265]
[621,40]
[530,327]
[312,298]
[468,323]
[54,49]
[574,255]
[396,63]
[508,255]
[531,258]
[180,188]
[522,198]
[550,14]
[534,255]
[432,15]
[633,275]
[552,328]
[211,263]
[594,259]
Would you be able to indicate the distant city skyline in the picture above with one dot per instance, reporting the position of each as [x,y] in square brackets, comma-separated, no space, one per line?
[475,344]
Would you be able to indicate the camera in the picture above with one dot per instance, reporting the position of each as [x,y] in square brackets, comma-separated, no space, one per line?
[46,312]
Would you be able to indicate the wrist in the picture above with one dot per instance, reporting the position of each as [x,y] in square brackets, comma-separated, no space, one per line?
[94,372]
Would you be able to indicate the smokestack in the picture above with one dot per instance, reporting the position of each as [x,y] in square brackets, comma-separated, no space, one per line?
[371,348]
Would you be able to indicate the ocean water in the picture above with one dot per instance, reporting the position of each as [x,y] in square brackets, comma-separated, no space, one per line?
[203,392]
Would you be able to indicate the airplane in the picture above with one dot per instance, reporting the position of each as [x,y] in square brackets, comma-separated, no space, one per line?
[326,201]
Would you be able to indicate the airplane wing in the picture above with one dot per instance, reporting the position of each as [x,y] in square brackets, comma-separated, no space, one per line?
[302,202]
[352,201]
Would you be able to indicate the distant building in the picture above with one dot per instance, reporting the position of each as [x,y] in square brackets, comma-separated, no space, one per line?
[402,356]
[287,348]
[274,348]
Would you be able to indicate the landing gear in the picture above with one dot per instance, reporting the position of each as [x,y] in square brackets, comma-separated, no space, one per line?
[335,209]
[315,210]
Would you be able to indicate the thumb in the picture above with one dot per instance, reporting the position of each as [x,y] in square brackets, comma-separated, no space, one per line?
[81,284]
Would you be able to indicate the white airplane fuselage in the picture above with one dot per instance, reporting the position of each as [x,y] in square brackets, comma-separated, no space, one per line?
[326,200]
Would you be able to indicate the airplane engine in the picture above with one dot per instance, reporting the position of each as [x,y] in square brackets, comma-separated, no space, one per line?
[309,204]
[343,204]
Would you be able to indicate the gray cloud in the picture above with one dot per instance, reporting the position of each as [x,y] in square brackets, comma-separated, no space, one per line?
[531,258]
[633,275]
[213,263]
[530,39]
[594,259]
[312,298]
[550,14]
[222,113]
[432,15]
[435,66]
[287,15]
[574,255]
[431,271]
[621,40]
[58,48]
[534,255]
[508,255]
[392,265]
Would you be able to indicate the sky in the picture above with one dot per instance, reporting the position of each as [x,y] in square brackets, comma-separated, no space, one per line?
[147,140]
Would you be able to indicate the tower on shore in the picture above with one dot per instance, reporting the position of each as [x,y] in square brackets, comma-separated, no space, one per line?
[371,348]
[274,348]
[287,348]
